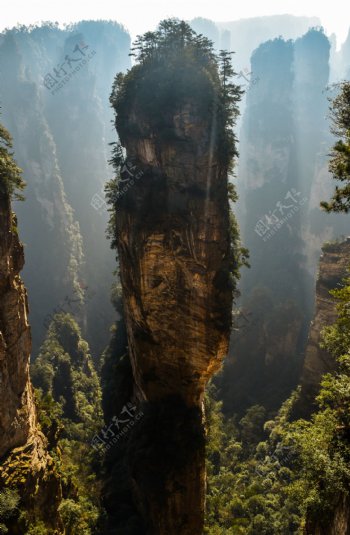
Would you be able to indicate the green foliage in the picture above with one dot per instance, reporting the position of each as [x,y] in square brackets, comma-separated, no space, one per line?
[10,174]
[173,66]
[38,528]
[111,192]
[50,417]
[248,483]
[69,403]
[269,481]
[252,425]
[239,255]
[339,164]
[64,371]
[166,62]
[78,516]
[9,500]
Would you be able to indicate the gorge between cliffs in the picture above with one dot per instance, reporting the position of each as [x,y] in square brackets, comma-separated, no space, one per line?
[212,395]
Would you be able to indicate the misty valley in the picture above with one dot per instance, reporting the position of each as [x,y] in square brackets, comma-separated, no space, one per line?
[174,279]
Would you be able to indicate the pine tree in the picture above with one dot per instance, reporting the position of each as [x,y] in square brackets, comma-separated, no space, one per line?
[339,164]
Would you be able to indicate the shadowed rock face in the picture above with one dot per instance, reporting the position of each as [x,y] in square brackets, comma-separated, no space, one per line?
[173,248]
[25,464]
[334,266]
[173,245]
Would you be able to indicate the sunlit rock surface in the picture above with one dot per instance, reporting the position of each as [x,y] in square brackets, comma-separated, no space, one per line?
[173,245]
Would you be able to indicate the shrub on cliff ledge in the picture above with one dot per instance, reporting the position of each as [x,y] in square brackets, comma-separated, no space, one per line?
[10,174]
[176,67]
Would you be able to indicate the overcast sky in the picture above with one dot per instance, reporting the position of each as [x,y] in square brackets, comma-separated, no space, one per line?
[139,16]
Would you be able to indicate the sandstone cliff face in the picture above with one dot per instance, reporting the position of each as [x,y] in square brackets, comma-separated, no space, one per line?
[17,413]
[334,265]
[173,245]
[25,465]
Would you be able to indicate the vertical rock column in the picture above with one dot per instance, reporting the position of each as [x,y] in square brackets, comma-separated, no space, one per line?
[173,246]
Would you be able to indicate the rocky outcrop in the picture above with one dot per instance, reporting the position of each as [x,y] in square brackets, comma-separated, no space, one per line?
[174,246]
[334,265]
[25,466]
